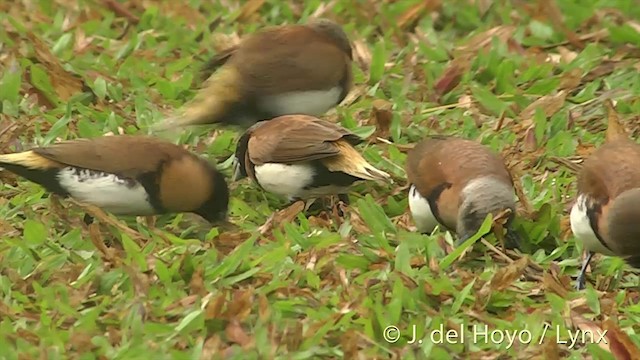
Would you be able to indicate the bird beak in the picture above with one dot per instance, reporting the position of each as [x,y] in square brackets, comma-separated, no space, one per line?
[236,170]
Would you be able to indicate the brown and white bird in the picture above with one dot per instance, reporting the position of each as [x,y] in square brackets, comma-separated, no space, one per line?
[288,69]
[302,157]
[606,214]
[456,183]
[126,175]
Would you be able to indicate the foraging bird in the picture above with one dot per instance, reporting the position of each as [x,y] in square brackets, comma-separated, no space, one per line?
[126,175]
[302,157]
[606,214]
[456,183]
[289,69]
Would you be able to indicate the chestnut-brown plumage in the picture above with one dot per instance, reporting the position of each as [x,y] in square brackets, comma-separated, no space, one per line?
[606,214]
[302,157]
[289,69]
[456,183]
[126,175]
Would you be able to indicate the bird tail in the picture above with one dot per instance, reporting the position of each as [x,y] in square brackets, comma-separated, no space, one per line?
[26,159]
[211,103]
[351,162]
[623,217]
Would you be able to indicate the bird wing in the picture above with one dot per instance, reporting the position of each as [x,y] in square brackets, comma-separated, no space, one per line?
[287,59]
[295,138]
[124,155]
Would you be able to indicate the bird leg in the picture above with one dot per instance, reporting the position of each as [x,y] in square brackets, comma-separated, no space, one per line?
[150,221]
[581,280]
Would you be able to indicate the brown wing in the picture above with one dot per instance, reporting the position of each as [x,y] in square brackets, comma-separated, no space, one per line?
[610,170]
[296,138]
[216,62]
[290,58]
[125,155]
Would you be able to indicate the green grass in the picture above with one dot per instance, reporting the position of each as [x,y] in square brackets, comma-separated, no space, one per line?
[316,288]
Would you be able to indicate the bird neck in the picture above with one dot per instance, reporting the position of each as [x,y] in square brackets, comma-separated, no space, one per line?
[480,197]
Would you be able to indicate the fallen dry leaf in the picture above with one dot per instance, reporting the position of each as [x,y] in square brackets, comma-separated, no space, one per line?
[227,241]
[552,284]
[567,55]
[505,276]
[283,216]
[550,104]
[603,69]
[589,328]
[550,9]
[381,117]
[361,54]
[235,333]
[417,11]
[615,130]
[350,344]
[214,308]
[211,347]
[571,79]
[249,10]
[65,83]
[483,6]
[121,10]
[451,77]
[483,40]
[264,310]
[530,141]
[620,344]
[550,349]
[196,284]
[239,307]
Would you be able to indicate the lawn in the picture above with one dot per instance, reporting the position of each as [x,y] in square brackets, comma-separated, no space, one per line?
[534,80]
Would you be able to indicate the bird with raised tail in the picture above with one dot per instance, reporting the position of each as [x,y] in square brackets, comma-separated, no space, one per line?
[455,183]
[126,175]
[302,157]
[288,69]
[606,215]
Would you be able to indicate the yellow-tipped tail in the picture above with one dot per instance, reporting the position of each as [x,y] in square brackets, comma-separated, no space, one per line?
[27,159]
[210,104]
[351,162]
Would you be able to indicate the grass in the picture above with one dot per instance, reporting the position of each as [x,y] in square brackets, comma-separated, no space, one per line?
[528,81]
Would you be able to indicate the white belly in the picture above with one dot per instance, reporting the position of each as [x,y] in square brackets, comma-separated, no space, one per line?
[290,181]
[315,102]
[106,191]
[581,228]
[421,212]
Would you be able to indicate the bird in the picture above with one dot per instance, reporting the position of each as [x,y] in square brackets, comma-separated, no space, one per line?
[605,217]
[302,157]
[280,70]
[454,183]
[126,175]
